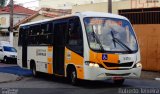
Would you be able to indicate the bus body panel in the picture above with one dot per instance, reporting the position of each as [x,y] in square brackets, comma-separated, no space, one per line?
[42,56]
[103,73]
[75,59]
[19,56]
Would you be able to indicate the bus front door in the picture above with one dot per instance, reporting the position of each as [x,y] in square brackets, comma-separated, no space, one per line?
[59,47]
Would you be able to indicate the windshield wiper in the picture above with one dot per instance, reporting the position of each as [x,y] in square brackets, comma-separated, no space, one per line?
[96,38]
[115,40]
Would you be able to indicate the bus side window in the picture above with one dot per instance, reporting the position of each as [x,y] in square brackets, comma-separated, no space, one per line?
[46,33]
[75,36]
[33,35]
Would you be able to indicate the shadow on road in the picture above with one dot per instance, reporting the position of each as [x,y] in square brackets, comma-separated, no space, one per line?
[82,83]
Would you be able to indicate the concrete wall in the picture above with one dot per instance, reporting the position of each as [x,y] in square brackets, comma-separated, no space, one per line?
[5,20]
[117,5]
[64,4]
[149,40]
[102,7]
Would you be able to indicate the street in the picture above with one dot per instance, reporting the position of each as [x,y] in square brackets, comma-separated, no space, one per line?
[45,84]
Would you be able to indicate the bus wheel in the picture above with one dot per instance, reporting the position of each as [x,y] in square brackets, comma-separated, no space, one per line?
[119,82]
[73,77]
[34,72]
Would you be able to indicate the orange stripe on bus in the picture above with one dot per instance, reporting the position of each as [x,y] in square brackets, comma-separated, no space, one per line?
[50,68]
[74,58]
[50,60]
[49,48]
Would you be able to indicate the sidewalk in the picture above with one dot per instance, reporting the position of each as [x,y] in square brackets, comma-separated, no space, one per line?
[6,77]
[150,75]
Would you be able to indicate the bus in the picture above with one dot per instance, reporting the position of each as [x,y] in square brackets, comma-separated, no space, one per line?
[85,45]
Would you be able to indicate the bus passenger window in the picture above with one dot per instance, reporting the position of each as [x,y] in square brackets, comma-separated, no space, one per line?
[46,33]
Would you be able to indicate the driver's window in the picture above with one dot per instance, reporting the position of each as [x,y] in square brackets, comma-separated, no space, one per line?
[74,36]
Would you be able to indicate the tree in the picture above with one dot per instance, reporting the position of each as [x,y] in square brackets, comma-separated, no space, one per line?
[2,3]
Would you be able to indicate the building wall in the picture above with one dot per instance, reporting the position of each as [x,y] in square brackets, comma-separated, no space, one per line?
[102,7]
[18,17]
[117,5]
[64,4]
[149,40]
[5,20]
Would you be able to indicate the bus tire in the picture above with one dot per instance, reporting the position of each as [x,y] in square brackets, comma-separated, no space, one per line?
[72,76]
[33,69]
[119,82]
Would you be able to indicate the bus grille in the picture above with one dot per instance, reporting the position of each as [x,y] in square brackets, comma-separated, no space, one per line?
[129,64]
[126,74]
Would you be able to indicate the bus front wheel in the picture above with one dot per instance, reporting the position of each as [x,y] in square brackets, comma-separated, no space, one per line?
[73,76]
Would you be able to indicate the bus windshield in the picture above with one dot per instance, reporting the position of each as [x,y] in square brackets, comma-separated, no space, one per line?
[9,49]
[110,34]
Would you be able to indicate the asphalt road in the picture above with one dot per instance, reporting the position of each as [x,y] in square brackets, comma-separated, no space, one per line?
[44,84]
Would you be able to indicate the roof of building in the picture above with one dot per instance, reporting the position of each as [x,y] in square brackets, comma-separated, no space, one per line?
[46,12]
[18,10]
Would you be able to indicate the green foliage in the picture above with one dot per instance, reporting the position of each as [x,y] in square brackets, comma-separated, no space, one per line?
[2,3]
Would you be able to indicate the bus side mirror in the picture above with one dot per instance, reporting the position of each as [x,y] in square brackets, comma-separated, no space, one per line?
[0,50]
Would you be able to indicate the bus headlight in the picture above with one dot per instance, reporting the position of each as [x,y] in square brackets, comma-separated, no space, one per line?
[139,65]
[96,65]
[92,64]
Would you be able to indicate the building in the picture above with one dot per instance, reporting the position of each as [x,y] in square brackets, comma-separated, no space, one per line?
[117,5]
[145,17]
[19,14]
[44,13]
[66,4]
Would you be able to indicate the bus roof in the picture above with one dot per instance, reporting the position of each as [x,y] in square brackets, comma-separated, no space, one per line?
[101,14]
[82,14]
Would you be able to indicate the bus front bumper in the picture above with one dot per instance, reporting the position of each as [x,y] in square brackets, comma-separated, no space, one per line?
[103,74]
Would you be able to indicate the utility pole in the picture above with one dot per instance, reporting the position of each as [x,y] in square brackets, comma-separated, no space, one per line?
[109,6]
[11,23]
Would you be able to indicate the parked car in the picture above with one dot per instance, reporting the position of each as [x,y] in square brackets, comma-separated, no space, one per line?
[8,54]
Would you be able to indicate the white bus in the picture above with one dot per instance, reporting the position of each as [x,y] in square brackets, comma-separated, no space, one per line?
[87,45]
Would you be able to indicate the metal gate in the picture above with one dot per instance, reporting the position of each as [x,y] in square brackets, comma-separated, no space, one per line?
[146,23]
